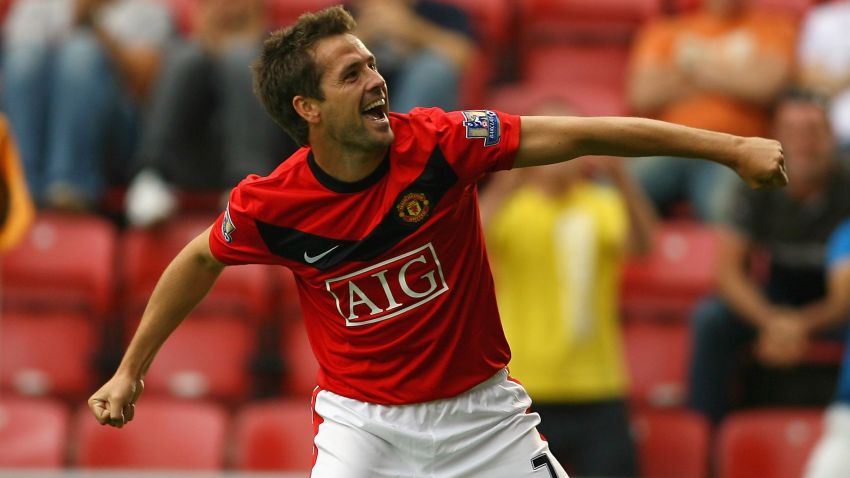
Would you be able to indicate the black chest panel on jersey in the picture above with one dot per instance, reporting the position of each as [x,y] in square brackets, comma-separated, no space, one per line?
[408,212]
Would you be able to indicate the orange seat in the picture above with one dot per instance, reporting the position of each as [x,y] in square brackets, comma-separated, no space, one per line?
[672,443]
[675,275]
[165,434]
[65,262]
[205,357]
[47,354]
[769,442]
[33,433]
[274,435]
[657,354]
[246,291]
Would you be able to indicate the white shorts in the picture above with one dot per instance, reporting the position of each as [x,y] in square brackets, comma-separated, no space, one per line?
[831,456]
[484,432]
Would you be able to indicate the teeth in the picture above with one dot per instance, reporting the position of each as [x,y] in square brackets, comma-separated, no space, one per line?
[375,104]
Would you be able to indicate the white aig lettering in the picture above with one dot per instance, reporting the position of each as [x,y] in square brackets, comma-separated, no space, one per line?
[390,288]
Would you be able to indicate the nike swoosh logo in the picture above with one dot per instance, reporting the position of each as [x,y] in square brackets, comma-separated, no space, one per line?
[312,259]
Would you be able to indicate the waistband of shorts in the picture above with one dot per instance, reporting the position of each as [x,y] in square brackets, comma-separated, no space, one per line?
[498,377]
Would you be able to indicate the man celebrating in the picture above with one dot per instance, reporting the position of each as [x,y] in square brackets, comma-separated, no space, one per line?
[377,217]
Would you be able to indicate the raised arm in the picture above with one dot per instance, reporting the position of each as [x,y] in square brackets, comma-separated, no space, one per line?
[183,284]
[552,139]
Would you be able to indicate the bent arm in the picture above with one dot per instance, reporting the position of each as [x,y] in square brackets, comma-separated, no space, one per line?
[835,307]
[735,285]
[552,139]
[183,284]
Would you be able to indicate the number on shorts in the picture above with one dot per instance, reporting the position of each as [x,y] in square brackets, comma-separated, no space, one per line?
[542,460]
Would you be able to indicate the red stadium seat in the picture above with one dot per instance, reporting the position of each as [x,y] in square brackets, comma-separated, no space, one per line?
[285,12]
[579,66]
[206,357]
[675,276]
[245,291]
[672,443]
[33,433]
[47,354]
[300,364]
[274,436]
[548,21]
[770,442]
[175,435]
[65,262]
[795,7]
[657,354]
[529,98]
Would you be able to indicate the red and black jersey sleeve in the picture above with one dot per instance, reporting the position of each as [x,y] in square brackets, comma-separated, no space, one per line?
[474,142]
[234,238]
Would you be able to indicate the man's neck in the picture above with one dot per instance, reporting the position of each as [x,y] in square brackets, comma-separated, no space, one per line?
[347,165]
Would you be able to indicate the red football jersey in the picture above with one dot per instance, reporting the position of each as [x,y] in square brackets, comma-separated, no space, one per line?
[392,273]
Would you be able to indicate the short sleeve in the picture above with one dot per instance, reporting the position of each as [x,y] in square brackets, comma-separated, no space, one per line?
[234,238]
[476,142]
[838,248]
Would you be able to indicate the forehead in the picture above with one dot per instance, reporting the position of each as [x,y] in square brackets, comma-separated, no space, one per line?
[334,52]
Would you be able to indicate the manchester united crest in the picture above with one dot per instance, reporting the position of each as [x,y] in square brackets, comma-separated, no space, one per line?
[413,208]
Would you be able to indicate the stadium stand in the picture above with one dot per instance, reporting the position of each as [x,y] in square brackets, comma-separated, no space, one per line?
[65,262]
[206,357]
[48,354]
[245,291]
[301,368]
[675,276]
[274,436]
[672,443]
[657,354]
[33,433]
[166,434]
[767,442]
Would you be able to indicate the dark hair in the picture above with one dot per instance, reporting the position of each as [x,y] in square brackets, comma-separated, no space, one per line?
[287,66]
[804,95]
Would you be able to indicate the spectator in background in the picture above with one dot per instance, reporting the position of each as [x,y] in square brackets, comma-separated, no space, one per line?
[75,74]
[719,68]
[423,48]
[792,225]
[830,458]
[557,240]
[206,130]
[16,208]
[824,62]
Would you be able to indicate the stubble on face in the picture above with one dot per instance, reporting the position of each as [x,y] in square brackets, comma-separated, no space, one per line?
[349,82]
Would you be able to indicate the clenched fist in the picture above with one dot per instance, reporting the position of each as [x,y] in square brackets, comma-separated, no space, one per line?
[760,163]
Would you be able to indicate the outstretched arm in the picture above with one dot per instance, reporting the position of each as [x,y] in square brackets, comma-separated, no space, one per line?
[552,139]
[183,284]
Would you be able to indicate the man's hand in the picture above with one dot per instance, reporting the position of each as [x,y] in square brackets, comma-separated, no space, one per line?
[115,403]
[783,341]
[761,163]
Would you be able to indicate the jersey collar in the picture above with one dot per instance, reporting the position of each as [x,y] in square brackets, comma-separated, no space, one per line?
[338,186]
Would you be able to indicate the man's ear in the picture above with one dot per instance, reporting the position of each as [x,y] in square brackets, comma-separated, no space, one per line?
[307,108]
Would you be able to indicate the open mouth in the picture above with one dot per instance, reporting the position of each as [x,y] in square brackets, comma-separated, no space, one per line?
[375,110]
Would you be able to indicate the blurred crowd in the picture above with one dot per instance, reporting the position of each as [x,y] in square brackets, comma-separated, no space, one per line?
[142,112]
